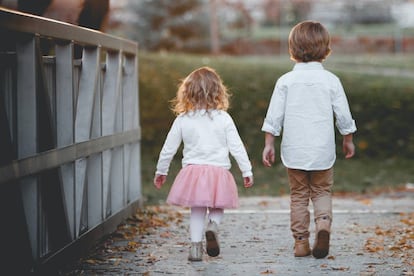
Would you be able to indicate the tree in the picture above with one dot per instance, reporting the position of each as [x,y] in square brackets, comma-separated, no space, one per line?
[170,25]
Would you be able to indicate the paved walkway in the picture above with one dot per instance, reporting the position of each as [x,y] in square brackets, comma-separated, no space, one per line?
[371,236]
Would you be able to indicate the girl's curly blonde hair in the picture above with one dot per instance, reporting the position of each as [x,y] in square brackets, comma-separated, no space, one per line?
[201,89]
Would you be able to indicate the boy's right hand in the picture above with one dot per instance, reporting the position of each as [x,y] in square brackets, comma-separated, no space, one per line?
[348,146]
[159,180]
[268,156]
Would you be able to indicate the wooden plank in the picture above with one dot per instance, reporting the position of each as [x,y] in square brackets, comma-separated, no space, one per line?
[27,142]
[118,189]
[64,123]
[88,88]
[94,172]
[132,155]
[57,157]
[27,23]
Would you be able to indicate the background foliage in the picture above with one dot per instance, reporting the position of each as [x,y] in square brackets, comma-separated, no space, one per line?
[382,107]
[255,27]
[167,25]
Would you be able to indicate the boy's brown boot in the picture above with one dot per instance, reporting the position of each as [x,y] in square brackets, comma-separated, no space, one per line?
[322,236]
[302,247]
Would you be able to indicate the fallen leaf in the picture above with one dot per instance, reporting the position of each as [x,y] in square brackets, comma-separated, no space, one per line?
[264,203]
[340,268]
[366,201]
[90,261]
[165,234]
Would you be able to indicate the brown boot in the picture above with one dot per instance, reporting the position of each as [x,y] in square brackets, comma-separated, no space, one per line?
[302,248]
[212,244]
[322,236]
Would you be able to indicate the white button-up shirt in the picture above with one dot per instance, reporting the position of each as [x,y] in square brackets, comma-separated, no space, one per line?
[304,103]
[208,139]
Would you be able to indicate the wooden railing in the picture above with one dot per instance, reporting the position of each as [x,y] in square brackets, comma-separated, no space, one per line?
[69,137]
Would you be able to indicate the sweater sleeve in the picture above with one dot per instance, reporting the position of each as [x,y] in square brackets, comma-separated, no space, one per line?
[170,147]
[237,149]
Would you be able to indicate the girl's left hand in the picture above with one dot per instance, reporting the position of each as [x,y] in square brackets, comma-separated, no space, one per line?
[248,181]
[159,179]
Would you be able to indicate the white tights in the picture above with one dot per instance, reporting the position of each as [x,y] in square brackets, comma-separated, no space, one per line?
[197,218]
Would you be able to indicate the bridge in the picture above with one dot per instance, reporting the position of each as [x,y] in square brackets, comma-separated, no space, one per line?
[69,138]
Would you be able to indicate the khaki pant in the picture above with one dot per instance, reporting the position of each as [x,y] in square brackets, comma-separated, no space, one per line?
[305,185]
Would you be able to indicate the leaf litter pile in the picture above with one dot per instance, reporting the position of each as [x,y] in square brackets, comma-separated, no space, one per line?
[395,240]
[132,237]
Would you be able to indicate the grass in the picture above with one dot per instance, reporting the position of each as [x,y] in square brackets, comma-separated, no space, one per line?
[342,30]
[393,61]
[351,176]
[251,80]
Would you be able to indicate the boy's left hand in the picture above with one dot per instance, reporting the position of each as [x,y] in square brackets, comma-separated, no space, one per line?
[268,156]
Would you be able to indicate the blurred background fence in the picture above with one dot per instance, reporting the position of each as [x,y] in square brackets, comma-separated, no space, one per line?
[245,27]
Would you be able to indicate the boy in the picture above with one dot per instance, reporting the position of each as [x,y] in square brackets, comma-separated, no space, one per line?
[304,103]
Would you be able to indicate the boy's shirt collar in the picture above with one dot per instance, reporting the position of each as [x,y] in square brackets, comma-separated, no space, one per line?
[313,65]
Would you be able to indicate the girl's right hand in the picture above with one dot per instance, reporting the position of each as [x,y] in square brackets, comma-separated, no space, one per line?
[248,181]
[159,180]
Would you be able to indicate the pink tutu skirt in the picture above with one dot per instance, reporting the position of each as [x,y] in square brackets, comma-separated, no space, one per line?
[204,186]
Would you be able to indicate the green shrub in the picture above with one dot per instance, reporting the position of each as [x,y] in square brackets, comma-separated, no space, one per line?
[382,106]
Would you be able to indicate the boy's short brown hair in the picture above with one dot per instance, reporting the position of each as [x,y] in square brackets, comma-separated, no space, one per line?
[309,41]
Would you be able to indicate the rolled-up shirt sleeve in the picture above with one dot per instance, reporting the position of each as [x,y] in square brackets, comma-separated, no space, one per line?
[273,121]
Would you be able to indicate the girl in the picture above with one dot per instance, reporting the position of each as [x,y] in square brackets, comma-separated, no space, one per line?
[209,134]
